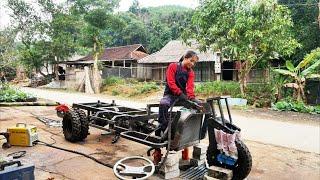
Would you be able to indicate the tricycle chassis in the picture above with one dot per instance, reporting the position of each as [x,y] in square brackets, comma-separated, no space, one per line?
[139,125]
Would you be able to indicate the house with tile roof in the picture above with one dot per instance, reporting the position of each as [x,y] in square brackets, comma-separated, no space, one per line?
[153,67]
[120,60]
[124,56]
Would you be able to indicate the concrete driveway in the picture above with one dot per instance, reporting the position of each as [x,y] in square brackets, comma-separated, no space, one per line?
[269,161]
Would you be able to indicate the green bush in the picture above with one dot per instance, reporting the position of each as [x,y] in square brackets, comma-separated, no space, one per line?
[112,81]
[144,88]
[290,105]
[9,94]
[260,95]
[132,81]
[218,88]
[115,92]
[148,87]
[10,72]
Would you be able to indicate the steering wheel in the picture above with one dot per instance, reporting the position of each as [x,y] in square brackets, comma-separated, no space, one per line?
[122,170]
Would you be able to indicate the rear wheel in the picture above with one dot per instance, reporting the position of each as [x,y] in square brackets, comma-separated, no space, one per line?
[243,165]
[84,124]
[71,126]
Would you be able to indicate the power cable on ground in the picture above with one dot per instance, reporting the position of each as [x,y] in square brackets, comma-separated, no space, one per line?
[75,152]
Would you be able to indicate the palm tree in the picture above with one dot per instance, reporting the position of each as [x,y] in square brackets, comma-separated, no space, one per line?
[308,68]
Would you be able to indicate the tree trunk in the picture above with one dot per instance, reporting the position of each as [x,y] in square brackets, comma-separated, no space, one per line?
[39,71]
[56,68]
[20,73]
[243,72]
[86,82]
[47,67]
[242,87]
[302,91]
[96,73]
[278,94]
[299,91]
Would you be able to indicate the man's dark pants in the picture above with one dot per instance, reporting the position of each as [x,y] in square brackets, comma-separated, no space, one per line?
[164,106]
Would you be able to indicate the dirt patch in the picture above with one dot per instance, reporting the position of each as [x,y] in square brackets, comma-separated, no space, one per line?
[272,162]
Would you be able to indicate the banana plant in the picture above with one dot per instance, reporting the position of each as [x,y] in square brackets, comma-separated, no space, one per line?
[308,68]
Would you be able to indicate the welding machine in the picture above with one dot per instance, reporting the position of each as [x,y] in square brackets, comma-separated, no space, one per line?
[22,135]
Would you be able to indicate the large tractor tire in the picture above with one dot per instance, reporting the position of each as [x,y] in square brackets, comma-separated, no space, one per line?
[84,124]
[243,165]
[71,126]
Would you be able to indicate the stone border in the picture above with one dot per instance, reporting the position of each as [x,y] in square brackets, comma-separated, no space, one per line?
[37,103]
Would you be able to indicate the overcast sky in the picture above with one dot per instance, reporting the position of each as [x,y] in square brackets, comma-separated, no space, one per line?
[124,6]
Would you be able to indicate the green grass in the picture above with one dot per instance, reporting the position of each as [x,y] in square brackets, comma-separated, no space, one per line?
[128,87]
[115,92]
[147,87]
[218,88]
[144,88]
[259,95]
[112,81]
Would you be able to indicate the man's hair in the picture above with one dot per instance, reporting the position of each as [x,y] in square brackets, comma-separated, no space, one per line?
[188,54]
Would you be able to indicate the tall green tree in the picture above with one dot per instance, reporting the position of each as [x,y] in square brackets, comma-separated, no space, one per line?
[7,51]
[159,35]
[135,7]
[36,56]
[26,25]
[44,40]
[177,20]
[166,23]
[133,31]
[306,26]
[97,16]
[141,13]
[24,20]
[62,31]
[243,31]
[153,27]
[307,68]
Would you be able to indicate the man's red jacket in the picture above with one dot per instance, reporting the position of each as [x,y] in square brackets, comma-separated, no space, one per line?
[171,72]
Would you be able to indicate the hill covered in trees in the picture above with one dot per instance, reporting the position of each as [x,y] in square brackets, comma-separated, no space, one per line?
[153,27]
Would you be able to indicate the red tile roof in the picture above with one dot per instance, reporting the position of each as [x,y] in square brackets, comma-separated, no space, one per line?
[129,52]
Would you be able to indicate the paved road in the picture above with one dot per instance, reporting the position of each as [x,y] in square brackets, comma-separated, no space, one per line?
[298,136]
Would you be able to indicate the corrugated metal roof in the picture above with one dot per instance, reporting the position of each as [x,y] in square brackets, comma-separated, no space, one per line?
[129,52]
[75,57]
[174,50]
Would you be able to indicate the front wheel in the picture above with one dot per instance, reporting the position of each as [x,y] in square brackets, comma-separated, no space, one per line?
[243,165]
[84,124]
[71,126]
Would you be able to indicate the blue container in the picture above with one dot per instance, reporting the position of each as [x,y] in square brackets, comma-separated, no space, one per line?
[226,160]
[235,102]
[15,171]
